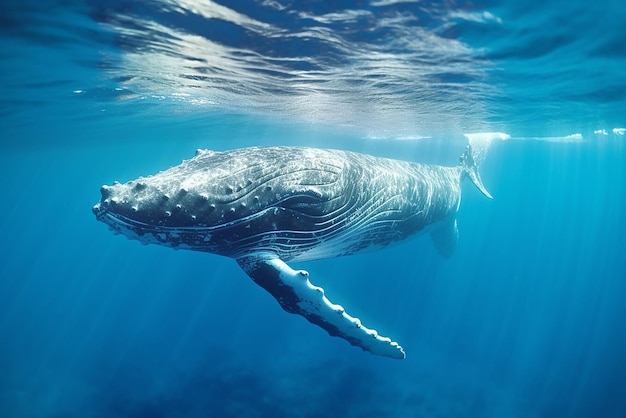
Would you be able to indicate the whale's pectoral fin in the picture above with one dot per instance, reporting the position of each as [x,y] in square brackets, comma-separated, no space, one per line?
[445,238]
[296,294]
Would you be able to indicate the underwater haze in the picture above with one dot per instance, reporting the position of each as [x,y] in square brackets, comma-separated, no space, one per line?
[526,319]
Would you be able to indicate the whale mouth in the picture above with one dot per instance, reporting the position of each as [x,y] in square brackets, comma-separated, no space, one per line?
[115,220]
[99,211]
[119,222]
[107,217]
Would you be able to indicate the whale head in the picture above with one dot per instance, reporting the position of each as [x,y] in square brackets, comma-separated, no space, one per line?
[144,205]
[195,205]
[158,208]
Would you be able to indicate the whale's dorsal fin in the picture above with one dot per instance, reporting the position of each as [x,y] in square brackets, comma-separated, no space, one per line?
[296,294]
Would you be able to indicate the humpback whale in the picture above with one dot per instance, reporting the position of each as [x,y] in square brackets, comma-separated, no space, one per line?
[267,206]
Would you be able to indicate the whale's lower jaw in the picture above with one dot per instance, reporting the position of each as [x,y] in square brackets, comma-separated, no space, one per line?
[164,238]
[195,239]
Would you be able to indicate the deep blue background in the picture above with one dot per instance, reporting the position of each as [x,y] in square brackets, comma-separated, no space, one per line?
[525,320]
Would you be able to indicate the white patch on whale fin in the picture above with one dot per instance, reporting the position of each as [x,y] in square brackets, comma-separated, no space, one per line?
[296,294]
[445,238]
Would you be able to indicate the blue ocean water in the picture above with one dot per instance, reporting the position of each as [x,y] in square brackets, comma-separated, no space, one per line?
[526,319]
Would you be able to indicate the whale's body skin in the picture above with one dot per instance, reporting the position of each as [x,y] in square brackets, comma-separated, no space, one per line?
[265,206]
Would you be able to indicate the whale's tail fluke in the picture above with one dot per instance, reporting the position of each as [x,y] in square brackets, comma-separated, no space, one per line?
[475,153]
[470,168]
